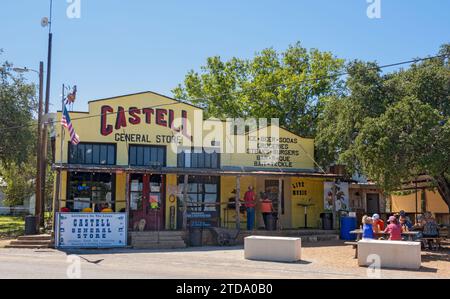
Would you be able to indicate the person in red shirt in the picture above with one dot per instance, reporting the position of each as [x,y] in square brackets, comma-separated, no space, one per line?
[250,204]
[266,210]
[378,224]
[394,229]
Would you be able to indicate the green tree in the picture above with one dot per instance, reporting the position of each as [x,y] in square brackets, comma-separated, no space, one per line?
[392,127]
[18,182]
[17,136]
[270,85]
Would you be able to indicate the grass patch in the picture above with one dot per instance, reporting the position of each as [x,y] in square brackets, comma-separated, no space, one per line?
[11,226]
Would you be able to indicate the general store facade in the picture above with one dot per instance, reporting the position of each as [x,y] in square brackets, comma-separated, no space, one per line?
[139,155]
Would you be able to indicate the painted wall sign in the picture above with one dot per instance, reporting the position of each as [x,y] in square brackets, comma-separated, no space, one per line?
[111,120]
[91,230]
[341,199]
[274,152]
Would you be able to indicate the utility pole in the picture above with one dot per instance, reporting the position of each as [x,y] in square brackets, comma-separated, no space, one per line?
[38,189]
[38,199]
[44,144]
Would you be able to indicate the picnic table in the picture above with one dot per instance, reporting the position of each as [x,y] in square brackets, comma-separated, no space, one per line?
[359,233]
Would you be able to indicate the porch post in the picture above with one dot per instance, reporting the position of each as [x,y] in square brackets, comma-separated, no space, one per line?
[56,198]
[238,203]
[185,198]
[335,214]
[280,192]
[127,195]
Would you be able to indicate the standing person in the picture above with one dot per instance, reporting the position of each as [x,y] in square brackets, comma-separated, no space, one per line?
[367,227]
[250,204]
[394,229]
[266,210]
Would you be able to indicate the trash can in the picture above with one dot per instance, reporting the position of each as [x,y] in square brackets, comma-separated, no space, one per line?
[30,225]
[347,225]
[327,221]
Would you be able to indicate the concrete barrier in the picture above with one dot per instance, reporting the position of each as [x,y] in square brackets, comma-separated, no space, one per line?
[274,249]
[390,254]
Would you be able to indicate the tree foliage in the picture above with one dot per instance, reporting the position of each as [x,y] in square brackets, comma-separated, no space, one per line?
[270,85]
[17,107]
[17,182]
[391,127]
[17,136]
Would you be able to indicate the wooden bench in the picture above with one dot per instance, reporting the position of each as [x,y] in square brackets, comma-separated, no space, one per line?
[274,249]
[436,243]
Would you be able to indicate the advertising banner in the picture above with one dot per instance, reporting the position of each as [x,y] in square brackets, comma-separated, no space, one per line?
[91,230]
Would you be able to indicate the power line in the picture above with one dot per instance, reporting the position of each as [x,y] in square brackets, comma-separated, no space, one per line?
[340,74]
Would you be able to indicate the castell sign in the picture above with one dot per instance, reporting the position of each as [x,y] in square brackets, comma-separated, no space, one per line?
[120,119]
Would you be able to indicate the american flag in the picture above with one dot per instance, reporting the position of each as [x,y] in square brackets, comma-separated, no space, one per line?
[66,122]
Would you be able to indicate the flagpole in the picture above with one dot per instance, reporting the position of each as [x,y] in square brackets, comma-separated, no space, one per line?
[56,203]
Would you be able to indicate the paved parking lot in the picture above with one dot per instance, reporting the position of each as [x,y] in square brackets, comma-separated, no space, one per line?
[320,260]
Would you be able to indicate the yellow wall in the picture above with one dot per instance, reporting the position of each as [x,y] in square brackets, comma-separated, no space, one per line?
[406,203]
[88,125]
[435,203]
[306,191]
[63,195]
[297,151]
[120,191]
[227,185]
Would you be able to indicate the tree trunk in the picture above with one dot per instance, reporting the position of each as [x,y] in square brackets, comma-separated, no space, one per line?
[444,188]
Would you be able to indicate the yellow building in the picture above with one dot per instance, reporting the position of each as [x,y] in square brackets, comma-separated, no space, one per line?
[158,160]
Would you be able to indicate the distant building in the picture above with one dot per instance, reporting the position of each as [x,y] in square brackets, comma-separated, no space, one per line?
[26,208]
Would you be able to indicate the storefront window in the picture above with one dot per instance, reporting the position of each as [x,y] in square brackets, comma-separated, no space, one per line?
[141,155]
[136,189]
[203,193]
[92,154]
[190,159]
[90,190]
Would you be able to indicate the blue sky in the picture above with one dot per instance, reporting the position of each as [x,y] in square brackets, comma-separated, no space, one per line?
[119,47]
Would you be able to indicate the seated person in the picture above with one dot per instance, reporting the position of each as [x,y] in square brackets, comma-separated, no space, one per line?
[405,224]
[367,227]
[408,221]
[430,229]
[87,210]
[394,229]
[378,224]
